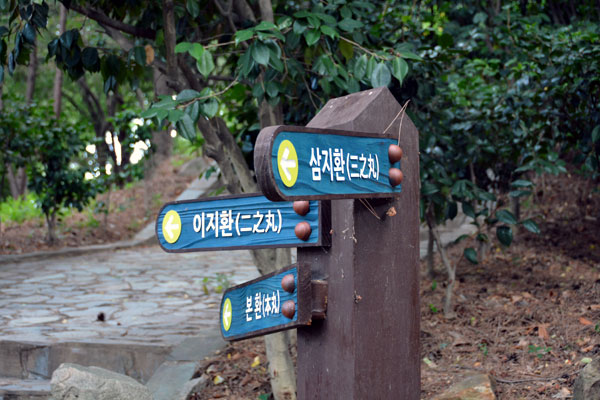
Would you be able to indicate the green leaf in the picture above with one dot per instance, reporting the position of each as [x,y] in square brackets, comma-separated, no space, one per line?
[360,68]
[149,113]
[468,210]
[183,47]
[312,36]
[381,76]
[205,64]
[346,49]
[428,189]
[299,27]
[329,31]
[265,26]
[596,134]
[193,8]
[29,33]
[399,69]
[89,59]
[506,216]
[187,95]
[139,54]
[471,255]
[349,24]
[210,108]
[186,127]
[243,35]
[353,85]
[197,51]
[260,53]
[531,226]
[519,193]
[272,88]
[505,235]
[410,56]
[193,110]
[521,183]
[174,115]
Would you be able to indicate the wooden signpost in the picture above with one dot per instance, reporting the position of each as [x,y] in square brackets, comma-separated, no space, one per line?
[308,163]
[354,293]
[238,222]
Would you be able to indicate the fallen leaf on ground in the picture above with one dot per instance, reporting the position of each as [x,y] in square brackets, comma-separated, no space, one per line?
[585,321]
[543,332]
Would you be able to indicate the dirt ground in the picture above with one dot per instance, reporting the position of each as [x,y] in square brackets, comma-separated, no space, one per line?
[131,209]
[528,315]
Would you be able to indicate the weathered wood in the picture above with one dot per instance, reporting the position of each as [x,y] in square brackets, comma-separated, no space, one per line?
[250,318]
[242,222]
[325,164]
[368,345]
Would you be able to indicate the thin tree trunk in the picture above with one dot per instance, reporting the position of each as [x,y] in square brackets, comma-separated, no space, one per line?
[430,254]
[58,76]
[450,269]
[51,221]
[31,75]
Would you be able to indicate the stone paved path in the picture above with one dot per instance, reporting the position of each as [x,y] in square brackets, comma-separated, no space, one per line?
[147,296]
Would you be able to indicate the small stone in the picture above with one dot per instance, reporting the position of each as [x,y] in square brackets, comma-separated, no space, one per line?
[587,384]
[72,381]
[473,387]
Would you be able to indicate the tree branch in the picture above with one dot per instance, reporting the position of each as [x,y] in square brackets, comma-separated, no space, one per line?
[100,17]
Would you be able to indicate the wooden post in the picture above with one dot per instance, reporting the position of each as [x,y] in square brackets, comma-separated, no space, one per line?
[368,345]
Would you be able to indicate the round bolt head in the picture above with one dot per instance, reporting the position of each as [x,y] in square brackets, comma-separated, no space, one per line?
[301,207]
[394,153]
[288,283]
[396,177]
[288,309]
[302,230]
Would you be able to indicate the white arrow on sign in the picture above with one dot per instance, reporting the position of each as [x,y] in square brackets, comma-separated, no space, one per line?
[286,164]
[171,227]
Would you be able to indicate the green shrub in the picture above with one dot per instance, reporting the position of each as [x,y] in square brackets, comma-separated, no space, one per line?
[20,210]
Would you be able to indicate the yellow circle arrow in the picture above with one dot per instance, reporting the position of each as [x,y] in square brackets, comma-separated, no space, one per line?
[171,226]
[227,314]
[287,163]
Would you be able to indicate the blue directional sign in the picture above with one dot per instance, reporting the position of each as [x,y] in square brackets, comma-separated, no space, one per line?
[298,162]
[274,302]
[237,222]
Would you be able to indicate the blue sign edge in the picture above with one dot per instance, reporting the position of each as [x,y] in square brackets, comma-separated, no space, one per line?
[303,303]
[265,173]
[324,239]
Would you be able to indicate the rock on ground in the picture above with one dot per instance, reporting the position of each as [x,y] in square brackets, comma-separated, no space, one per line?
[587,384]
[473,387]
[72,381]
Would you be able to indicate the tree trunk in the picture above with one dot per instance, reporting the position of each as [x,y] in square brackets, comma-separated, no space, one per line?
[31,75]
[17,181]
[430,254]
[51,221]
[58,76]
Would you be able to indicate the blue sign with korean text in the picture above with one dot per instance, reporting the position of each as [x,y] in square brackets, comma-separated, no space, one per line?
[234,222]
[321,164]
[274,302]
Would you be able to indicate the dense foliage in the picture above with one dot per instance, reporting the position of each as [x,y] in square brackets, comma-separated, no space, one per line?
[498,90]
